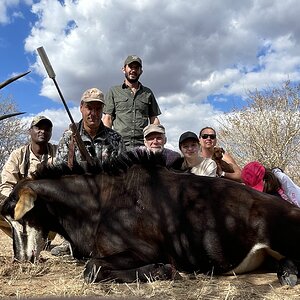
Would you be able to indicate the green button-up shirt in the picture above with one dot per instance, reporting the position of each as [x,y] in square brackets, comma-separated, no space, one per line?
[131,112]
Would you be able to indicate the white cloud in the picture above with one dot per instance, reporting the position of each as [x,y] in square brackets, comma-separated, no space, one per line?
[190,50]
[9,10]
[4,5]
[192,117]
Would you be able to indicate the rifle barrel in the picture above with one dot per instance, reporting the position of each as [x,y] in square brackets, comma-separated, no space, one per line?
[51,74]
[46,62]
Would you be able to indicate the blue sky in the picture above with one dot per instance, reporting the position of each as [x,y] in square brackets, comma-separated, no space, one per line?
[200,57]
[15,60]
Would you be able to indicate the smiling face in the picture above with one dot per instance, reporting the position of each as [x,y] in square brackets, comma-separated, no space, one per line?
[155,141]
[190,148]
[41,132]
[133,72]
[91,114]
[208,138]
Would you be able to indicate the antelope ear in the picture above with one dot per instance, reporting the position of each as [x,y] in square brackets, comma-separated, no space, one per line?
[26,202]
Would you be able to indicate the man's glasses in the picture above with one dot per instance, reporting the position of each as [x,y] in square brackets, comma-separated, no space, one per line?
[205,136]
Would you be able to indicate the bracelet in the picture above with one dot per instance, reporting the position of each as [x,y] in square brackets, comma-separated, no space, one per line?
[222,174]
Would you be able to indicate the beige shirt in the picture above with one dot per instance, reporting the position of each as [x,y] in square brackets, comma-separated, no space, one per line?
[14,169]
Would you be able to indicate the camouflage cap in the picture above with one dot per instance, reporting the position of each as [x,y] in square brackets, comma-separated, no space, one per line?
[153,128]
[93,94]
[38,119]
[132,58]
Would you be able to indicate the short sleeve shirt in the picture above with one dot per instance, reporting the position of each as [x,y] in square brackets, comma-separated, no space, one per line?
[207,167]
[130,112]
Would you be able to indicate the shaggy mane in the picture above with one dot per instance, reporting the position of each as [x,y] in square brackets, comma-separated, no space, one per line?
[112,166]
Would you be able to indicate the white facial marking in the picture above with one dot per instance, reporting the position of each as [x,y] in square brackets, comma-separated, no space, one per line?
[28,241]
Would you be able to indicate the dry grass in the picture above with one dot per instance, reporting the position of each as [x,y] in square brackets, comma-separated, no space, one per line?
[60,277]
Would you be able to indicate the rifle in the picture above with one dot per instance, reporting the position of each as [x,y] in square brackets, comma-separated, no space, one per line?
[85,154]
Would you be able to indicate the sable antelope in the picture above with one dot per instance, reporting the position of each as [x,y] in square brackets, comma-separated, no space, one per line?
[131,215]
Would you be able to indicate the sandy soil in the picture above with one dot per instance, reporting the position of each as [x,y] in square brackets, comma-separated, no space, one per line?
[62,277]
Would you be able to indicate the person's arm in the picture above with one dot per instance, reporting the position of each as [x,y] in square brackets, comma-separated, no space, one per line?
[236,175]
[291,190]
[107,120]
[154,110]
[154,120]
[10,174]
[109,109]
[62,152]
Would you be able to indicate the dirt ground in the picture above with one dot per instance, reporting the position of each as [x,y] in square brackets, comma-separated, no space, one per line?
[59,277]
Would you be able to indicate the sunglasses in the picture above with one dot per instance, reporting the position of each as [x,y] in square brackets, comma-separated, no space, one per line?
[211,136]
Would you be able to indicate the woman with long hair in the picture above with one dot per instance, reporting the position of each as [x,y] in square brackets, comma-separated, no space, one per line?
[208,141]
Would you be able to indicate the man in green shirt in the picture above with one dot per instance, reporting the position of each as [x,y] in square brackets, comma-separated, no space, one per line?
[130,107]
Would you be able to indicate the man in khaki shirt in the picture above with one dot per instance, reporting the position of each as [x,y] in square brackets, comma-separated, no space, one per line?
[25,160]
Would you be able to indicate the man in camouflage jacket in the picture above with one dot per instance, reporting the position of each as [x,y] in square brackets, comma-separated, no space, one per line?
[100,141]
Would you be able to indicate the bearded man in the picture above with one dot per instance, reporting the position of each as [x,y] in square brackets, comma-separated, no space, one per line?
[130,107]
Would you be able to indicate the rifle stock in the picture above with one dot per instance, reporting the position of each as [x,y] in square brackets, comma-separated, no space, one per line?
[85,154]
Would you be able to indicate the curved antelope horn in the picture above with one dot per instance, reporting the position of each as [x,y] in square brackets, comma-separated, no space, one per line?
[11,115]
[26,202]
[8,81]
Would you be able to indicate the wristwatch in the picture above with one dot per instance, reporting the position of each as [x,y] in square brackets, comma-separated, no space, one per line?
[222,174]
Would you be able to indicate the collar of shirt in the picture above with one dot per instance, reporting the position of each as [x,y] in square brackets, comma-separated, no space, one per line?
[100,131]
[44,157]
[125,86]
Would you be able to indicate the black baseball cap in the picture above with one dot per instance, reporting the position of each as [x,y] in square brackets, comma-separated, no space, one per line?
[188,135]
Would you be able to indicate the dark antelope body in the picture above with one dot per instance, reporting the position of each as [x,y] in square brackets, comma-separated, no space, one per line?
[132,213]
